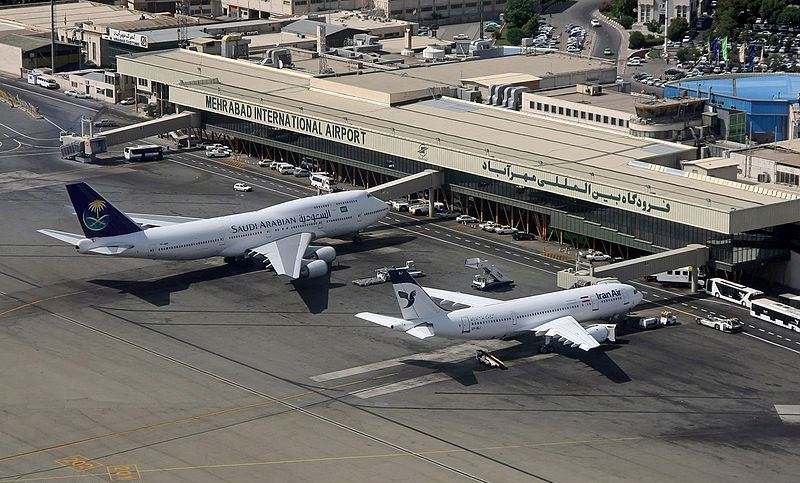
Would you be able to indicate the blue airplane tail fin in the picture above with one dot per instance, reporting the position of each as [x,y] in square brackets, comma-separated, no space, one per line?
[97,216]
[414,302]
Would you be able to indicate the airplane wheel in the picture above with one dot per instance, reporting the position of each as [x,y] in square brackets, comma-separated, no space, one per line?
[358,240]
[545,349]
[229,260]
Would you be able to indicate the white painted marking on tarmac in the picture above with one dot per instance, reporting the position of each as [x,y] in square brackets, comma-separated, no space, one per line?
[771,343]
[684,304]
[752,326]
[451,353]
[789,413]
[401,386]
[694,307]
[770,333]
[762,330]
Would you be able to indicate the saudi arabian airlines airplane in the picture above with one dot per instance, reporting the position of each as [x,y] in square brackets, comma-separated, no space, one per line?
[554,315]
[281,233]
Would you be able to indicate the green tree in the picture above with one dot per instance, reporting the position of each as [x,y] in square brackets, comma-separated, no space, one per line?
[519,12]
[626,21]
[637,40]
[531,27]
[687,53]
[677,29]
[514,35]
[622,8]
[790,16]
[654,26]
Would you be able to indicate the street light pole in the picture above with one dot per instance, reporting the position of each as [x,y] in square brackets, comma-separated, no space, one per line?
[53,36]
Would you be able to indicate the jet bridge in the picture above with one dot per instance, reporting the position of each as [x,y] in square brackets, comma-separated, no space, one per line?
[428,179]
[691,255]
[74,145]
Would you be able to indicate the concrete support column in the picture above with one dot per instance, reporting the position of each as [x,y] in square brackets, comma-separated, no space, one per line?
[694,278]
[430,202]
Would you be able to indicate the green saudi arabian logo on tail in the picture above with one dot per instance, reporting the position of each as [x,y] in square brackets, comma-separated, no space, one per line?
[93,216]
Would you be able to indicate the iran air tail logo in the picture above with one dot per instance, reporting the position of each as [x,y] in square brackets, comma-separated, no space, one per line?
[93,216]
[408,297]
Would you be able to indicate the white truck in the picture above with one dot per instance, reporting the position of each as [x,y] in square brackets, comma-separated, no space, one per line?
[47,82]
[723,324]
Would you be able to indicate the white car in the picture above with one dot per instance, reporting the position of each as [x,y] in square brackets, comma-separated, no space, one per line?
[71,93]
[242,187]
[487,226]
[264,163]
[128,101]
[634,62]
[216,153]
[595,23]
[466,219]
[82,95]
[504,229]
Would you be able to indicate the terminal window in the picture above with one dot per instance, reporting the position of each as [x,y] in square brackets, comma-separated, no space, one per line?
[591,116]
[575,113]
[569,112]
[456,5]
[441,7]
[561,110]
[787,178]
[538,106]
[583,115]
[613,121]
[605,119]
[410,10]
[471,4]
[547,108]
[427,9]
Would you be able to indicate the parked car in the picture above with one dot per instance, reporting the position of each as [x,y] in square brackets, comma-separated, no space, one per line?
[634,62]
[448,215]
[216,153]
[128,101]
[70,92]
[264,163]
[82,95]
[301,173]
[399,205]
[487,226]
[466,219]
[419,210]
[105,123]
[504,229]
[242,187]
[522,235]
[274,164]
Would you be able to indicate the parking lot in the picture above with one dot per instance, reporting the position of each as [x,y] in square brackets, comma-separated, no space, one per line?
[175,371]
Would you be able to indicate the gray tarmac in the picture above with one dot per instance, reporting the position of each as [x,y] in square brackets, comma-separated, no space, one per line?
[117,369]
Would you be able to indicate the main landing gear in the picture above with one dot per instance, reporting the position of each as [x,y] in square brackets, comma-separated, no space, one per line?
[239,261]
[358,239]
[547,347]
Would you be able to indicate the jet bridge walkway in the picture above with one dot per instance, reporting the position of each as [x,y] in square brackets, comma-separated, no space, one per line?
[691,255]
[428,179]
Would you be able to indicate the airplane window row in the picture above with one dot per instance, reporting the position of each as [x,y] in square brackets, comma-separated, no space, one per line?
[244,234]
[187,245]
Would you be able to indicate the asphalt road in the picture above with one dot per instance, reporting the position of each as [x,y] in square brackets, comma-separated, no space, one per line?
[176,371]
[580,13]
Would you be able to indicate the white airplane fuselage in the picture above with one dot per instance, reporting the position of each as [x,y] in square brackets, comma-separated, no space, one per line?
[323,216]
[505,319]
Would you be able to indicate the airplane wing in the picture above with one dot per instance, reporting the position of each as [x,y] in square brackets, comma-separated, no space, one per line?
[568,329]
[70,238]
[286,254]
[460,298]
[159,220]
[421,331]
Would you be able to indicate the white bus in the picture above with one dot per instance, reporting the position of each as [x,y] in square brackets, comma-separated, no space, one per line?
[680,276]
[732,292]
[144,152]
[323,182]
[47,82]
[777,313]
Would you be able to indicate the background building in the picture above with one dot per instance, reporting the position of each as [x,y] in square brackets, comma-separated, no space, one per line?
[774,163]
[769,101]
[20,53]
[659,10]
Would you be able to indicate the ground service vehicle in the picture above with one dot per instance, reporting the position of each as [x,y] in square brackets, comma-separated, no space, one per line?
[777,313]
[732,292]
[730,325]
[143,152]
[399,205]
[323,183]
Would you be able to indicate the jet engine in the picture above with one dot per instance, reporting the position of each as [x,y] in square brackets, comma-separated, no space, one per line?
[313,269]
[83,245]
[602,332]
[326,254]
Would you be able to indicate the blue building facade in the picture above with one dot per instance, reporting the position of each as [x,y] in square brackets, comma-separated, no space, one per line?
[766,99]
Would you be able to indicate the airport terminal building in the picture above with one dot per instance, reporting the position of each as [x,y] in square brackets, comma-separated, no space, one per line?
[562,180]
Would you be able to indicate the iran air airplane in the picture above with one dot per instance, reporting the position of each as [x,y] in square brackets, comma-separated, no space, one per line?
[280,233]
[554,315]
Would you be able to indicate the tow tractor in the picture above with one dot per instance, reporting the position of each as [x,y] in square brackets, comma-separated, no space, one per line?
[668,318]
[489,360]
[491,277]
[723,324]
[382,274]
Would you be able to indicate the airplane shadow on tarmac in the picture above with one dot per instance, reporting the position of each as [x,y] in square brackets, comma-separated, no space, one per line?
[464,371]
